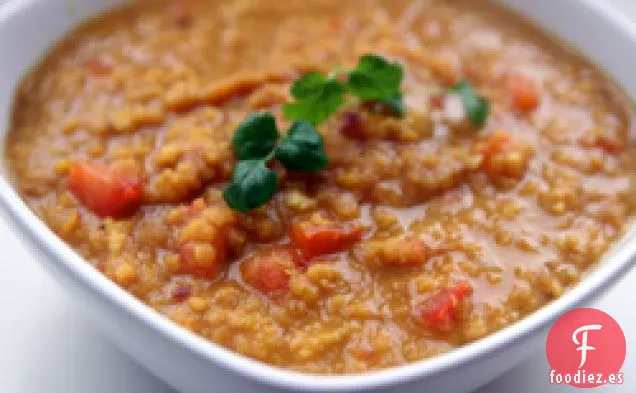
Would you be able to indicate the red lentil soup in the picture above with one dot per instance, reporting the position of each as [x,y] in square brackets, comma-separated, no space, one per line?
[424,232]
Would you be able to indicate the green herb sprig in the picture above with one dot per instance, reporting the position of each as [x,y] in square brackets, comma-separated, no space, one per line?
[477,108]
[374,79]
[257,140]
[256,143]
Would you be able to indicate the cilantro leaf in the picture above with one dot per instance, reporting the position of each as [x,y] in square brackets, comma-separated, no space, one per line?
[307,85]
[252,185]
[375,78]
[302,149]
[317,98]
[255,137]
[394,104]
[477,108]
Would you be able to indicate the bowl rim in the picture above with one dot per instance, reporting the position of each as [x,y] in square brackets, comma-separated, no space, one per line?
[607,272]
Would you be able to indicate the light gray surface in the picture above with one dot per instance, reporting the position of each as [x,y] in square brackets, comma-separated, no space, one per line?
[46,346]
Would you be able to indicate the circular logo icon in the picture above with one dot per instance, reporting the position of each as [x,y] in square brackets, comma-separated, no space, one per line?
[586,348]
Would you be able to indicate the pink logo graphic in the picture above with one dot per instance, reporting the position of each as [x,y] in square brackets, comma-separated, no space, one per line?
[586,348]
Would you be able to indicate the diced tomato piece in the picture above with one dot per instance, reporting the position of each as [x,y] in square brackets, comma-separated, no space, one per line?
[268,270]
[497,142]
[505,157]
[525,94]
[437,101]
[336,24]
[320,239]
[439,311]
[352,126]
[97,67]
[107,191]
[607,143]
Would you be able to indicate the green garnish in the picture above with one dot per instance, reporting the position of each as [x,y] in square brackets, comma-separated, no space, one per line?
[477,108]
[395,104]
[254,142]
[316,97]
[256,136]
[253,184]
[302,149]
[374,79]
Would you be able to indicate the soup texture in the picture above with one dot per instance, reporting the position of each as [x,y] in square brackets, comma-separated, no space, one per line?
[424,232]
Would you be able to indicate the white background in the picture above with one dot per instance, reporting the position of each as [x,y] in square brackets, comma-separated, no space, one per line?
[46,345]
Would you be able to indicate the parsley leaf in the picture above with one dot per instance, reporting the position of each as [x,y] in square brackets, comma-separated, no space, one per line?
[375,78]
[394,104]
[302,149]
[307,85]
[255,137]
[317,98]
[252,185]
[477,108]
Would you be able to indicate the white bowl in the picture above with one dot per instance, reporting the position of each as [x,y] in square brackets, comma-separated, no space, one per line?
[192,364]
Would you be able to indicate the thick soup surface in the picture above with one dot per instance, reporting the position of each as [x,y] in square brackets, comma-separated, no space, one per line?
[423,233]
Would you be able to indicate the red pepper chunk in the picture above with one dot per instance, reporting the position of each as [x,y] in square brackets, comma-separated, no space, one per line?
[321,239]
[352,126]
[439,312]
[96,67]
[609,144]
[268,270]
[497,142]
[505,157]
[525,94]
[106,191]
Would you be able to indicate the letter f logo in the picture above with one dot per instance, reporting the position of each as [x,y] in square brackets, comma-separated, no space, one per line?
[583,344]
